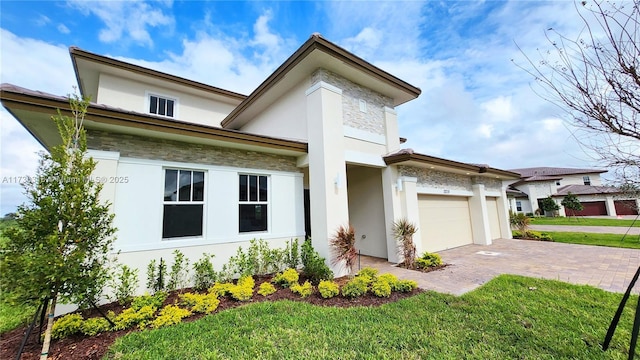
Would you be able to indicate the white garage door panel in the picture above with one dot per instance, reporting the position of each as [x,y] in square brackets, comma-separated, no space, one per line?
[494,220]
[444,222]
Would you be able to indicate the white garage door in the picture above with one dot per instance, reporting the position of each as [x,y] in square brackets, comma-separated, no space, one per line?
[444,222]
[494,220]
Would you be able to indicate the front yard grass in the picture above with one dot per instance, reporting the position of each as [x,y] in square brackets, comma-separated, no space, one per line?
[611,240]
[510,317]
[582,221]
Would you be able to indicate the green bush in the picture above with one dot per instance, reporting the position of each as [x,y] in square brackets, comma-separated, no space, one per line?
[156,275]
[243,291]
[170,315]
[428,260]
[314,266]
[303,290]
[532,235]
[286,278]
[67,325]
[369,272]
[390,279]
[124,283]
[95,326]
[204,275]
[131,317]
[357,286]
[221,289]
[156,300]
[179,275]
[200,303]
[328,289]
[381,288]
[407,285]
[266,289]
[292,254]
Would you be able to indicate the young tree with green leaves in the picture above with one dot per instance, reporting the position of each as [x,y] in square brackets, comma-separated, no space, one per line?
[59,247]
[571,202]
[549,205]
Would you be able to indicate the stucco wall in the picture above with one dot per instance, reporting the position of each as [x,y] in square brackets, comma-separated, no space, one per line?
[159,149]
[373,119]
[366,210]
[578,180]
[436,179]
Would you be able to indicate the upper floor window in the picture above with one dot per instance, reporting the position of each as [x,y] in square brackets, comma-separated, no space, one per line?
[558,182]
[253,202]
[586,180]
[183,203]
[160,105]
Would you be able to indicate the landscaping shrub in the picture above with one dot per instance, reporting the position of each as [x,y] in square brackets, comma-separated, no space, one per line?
[428,260]
[519,221]
[357,286]
[390,279]
[314,266]
[200,303]
[156,275]
[124,283]
[303,290]
[286,278]
[266,289]
[67,325]
[328,289]
[369,272]
[170,315]
[131,317]
[95,326]
[406,286]
[292,254]
[221,289]
[532,235]
[243,291]
[179,275]
[403,231]
[156,300]
[343,247]
[204,275]
[381,288]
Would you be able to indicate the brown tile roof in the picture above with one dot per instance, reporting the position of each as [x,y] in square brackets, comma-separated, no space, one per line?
[554,171]
[585,190]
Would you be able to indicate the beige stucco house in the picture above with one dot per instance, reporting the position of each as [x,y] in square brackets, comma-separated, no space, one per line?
[538,183]
[193,167]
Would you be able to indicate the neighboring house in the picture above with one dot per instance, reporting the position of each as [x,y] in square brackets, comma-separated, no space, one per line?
[538,183]
[193,167]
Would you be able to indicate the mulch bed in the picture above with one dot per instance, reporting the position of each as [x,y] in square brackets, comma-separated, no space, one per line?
[424,270]
[84,347]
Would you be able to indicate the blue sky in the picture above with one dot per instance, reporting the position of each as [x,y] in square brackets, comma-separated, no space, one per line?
[476,105]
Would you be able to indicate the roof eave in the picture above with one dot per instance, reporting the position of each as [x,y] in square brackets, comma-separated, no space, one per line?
[398,159]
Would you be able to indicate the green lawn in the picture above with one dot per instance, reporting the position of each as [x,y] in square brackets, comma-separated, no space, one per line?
[581,221]
[511,317]
[612,240]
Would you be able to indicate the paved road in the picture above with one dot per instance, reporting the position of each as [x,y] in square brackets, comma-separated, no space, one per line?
[589,229]
[470,266]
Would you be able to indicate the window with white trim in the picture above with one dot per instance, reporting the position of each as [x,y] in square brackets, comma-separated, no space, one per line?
[160,105]
[253,195]
[519,205]
[183,210]
[586,180]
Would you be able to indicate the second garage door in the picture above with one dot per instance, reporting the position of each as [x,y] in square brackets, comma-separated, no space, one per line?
[445,222]
[592,208]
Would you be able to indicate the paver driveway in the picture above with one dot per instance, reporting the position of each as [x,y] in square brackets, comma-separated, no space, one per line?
[470,266]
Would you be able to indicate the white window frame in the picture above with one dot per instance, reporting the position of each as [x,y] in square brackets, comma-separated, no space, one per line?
[586,180]
[177,201]
[518,205]
[149,94]
[266,202]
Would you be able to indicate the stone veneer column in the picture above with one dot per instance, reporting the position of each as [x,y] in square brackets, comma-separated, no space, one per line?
[481,228]
[327,168]
[611,206]
[392,208]
[106,171]
[410,209]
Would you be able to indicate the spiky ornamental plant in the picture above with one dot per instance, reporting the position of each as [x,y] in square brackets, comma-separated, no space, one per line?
[59,248]
[343,247]
[403,231]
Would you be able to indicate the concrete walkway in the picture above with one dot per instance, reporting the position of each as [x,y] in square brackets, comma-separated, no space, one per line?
[470,266]
[588,229]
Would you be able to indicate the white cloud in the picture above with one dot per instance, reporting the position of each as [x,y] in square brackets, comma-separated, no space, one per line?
[63,29]
[498,109]
[125,20]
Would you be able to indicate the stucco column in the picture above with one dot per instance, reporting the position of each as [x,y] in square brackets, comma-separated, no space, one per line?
[611,205]
[392,208]
[106,171]
[327,168]
[503,213]
[410,210]
[512,205]
[391,130]
[480,216]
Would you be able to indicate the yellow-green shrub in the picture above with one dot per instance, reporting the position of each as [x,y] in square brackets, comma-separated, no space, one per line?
[390,279]
[287,278]
[95,326]
[407,285]
[303,290]
[170,315]
[243,290]
[369,272]
[67,325]
[356,287]
[247,281]
[200,303]
[266,289]
[381,288]
[221,289]
[130,317]
[328,289]
[156,300]
[428,260]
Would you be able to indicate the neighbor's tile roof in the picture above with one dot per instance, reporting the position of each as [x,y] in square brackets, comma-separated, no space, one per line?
[585,190]
[554,171]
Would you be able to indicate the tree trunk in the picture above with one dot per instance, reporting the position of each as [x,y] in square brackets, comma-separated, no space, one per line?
[47,333]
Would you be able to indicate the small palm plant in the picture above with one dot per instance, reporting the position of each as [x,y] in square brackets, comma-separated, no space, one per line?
[520,222]
[343,245]
[403,231]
